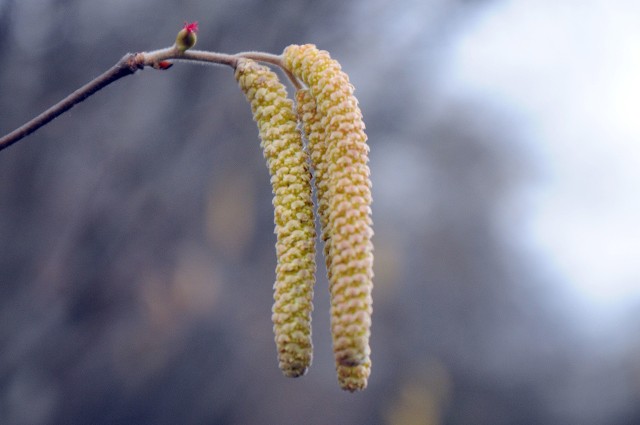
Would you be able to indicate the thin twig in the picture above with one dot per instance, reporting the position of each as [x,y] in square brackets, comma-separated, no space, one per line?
[128,65]
[262,57]
[274,60]
[125,66]
[211,57]
[294,80]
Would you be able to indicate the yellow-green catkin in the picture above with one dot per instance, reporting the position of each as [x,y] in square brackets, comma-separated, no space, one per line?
[351,378]
[294,223]
[348,229]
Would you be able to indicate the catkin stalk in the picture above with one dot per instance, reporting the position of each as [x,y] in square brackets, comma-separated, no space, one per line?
[313,131]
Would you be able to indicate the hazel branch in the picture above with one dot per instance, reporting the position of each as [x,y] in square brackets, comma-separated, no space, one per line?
[329,118]
[130,64]
[125,66]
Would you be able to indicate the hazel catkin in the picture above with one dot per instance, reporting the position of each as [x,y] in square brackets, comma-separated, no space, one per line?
[348,229]
[293,213]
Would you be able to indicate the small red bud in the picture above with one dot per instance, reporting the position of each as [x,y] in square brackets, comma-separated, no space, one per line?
[164,65]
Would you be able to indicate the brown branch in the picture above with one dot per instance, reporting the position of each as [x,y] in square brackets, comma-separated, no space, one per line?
[208,57]
[128,65]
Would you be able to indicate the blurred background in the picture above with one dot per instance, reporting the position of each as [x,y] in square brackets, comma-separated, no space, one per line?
[136,231]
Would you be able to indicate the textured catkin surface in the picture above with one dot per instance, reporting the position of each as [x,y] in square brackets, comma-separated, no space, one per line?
[348,228]
[294,222]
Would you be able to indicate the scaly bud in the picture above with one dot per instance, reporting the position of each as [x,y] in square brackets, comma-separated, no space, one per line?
[187,36]
[294,223]
[349,214]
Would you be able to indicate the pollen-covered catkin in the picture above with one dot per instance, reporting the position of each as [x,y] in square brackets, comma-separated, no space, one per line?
[294,223]
[349,212]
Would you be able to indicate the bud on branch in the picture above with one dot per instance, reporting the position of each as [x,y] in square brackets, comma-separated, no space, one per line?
[327,115]
[187,36]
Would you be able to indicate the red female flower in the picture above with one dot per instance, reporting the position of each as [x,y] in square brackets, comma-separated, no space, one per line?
[191,27]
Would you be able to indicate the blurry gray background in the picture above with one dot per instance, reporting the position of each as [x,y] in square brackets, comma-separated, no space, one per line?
[136,246]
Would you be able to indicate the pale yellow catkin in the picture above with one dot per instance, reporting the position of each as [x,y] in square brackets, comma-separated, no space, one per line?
[348,228]
[294,221]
